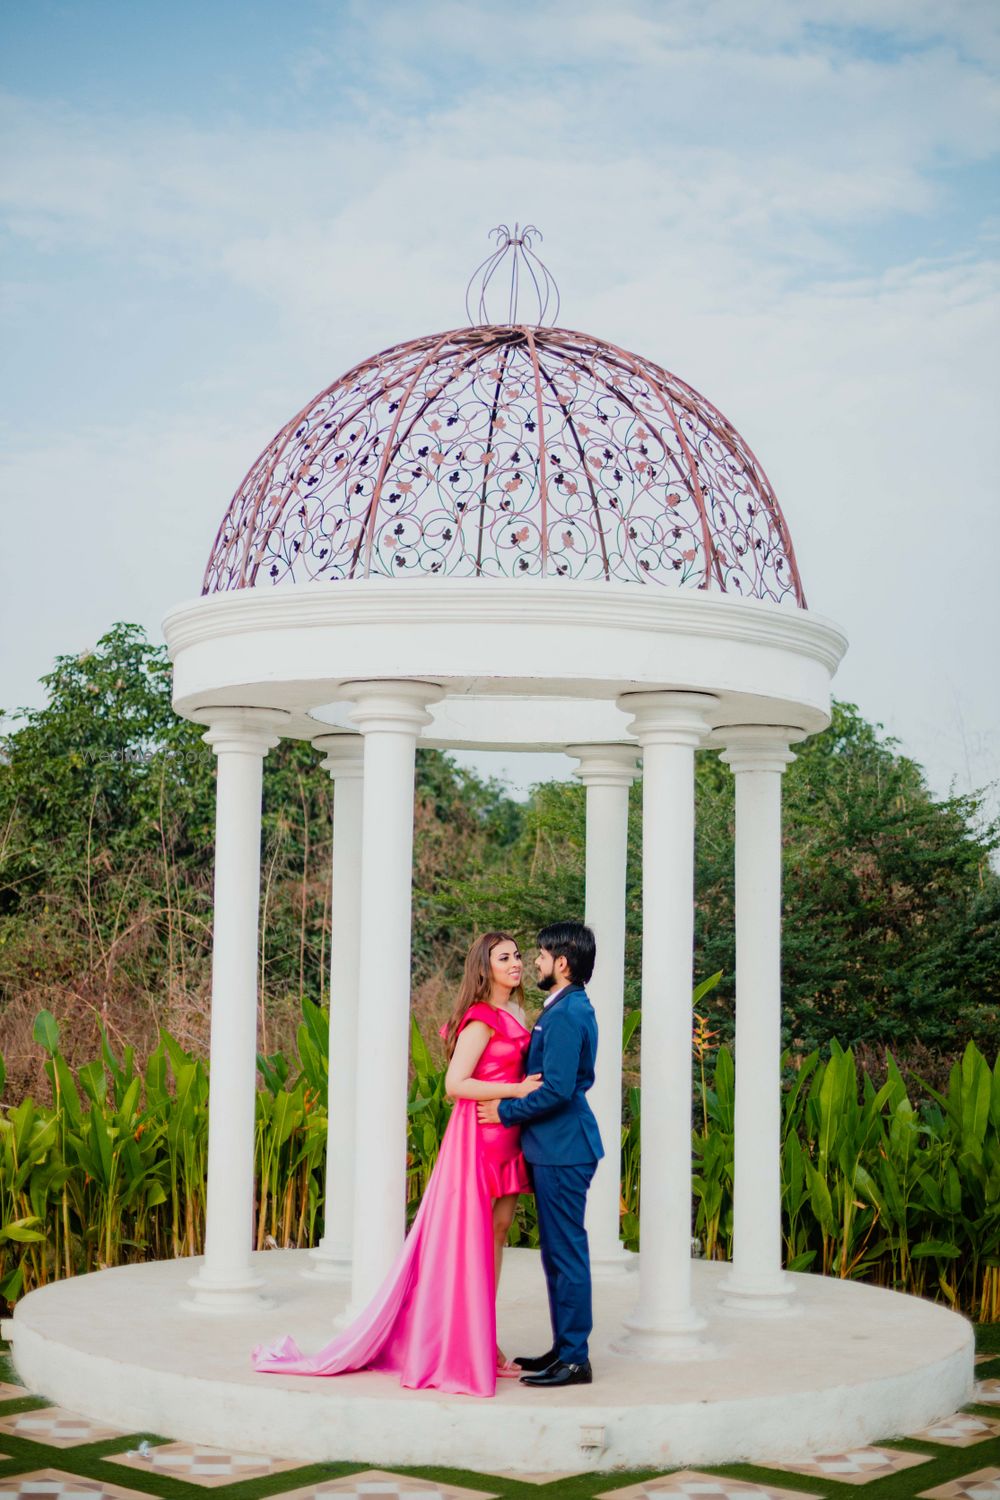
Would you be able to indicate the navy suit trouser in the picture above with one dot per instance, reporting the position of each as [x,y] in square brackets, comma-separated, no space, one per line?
[561,1198]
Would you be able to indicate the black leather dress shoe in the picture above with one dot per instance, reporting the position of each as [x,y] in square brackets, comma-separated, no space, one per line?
[561,1374]
[537,1361]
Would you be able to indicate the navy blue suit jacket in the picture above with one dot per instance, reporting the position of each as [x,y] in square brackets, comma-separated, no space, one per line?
[557,1124]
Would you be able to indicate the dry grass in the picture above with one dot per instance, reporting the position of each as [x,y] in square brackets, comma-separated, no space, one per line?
[133,1017]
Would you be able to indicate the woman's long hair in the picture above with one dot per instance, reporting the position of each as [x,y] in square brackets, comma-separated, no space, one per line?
[477,983]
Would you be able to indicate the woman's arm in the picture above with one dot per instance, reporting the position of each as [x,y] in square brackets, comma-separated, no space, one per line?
[459,1082]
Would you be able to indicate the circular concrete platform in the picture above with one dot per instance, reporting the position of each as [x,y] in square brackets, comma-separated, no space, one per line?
[850,1364]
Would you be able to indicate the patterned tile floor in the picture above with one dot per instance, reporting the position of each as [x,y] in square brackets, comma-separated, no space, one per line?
[197,1465]
[47,1453]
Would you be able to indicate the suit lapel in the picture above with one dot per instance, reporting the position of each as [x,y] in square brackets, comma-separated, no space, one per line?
[546,1009]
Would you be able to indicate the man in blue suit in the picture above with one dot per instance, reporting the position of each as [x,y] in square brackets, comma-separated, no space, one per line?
[562,1144]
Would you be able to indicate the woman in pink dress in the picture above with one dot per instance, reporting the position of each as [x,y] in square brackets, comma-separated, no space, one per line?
[433,1319]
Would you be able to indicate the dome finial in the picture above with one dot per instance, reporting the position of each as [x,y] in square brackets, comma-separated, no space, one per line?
[523,272]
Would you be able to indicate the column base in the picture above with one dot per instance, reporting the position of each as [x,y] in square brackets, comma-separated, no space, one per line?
[238,1294]
[605,1263]
[770,1297]
[347,1315]
[667,1337]
[328,1264]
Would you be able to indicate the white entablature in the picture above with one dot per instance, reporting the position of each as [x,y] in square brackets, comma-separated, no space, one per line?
[498,647]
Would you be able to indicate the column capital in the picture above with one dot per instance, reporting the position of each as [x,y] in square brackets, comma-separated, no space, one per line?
[390,705]
[757,747]
[343,754]
[248,731]
[668,717]
[605,765]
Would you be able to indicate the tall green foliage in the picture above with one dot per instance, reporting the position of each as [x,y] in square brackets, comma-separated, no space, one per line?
[874,1187]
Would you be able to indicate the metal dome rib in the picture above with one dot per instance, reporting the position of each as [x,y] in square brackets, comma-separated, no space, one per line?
[508,450]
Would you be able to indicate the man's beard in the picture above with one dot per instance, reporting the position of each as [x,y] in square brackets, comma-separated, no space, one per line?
[547,982]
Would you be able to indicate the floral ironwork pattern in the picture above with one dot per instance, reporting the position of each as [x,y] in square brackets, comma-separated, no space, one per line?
[501,451]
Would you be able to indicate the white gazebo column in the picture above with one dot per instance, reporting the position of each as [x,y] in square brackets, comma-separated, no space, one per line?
[757,755]
[345,763]
[389,715]
[669,727]
[240,737]
[607,771]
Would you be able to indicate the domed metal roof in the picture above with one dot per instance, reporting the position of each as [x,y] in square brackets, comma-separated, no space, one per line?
[506,450]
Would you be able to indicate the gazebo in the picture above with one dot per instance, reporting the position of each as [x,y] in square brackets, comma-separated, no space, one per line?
[514,535]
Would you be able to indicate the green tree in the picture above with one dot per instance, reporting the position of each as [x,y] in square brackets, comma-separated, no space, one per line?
[107,809]
[107,805]
[891,905]
[88,770]
[106,796]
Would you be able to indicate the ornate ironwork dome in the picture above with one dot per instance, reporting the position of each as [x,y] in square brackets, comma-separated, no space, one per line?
[508,449]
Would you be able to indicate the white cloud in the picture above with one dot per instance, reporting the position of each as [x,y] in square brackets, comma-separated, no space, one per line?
[710,191]
[592,113]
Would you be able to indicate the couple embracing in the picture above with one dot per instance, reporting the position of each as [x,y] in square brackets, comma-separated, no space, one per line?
[520,1123]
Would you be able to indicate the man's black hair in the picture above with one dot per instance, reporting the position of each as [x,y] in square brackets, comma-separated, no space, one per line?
[573,942]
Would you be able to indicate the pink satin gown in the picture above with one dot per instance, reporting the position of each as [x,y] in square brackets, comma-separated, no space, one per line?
[433,1319]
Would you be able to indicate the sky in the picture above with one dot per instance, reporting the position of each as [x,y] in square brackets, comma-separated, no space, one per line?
[209,211]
